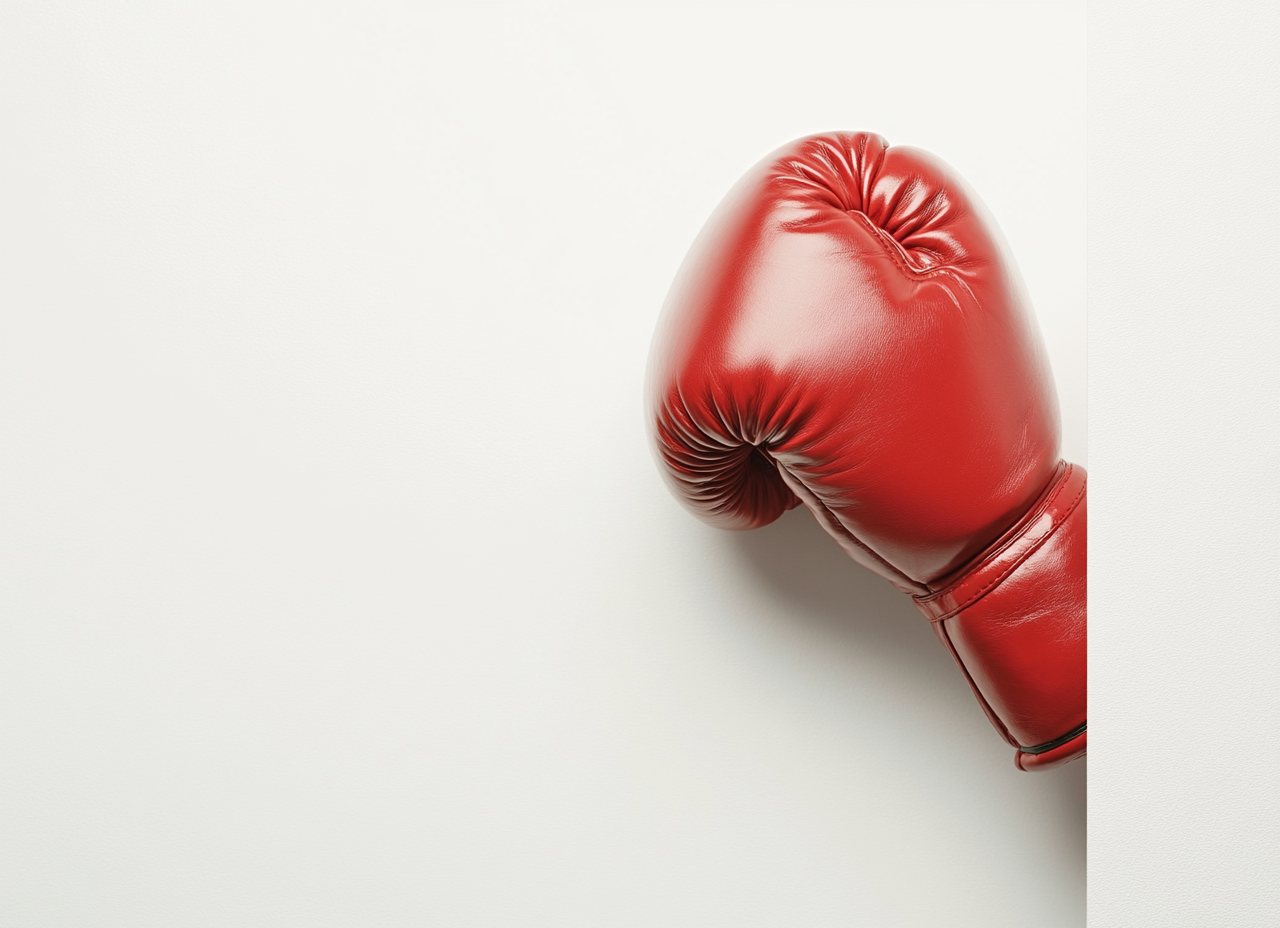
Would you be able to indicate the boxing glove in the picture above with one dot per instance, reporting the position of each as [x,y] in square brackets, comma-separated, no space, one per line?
[849,332]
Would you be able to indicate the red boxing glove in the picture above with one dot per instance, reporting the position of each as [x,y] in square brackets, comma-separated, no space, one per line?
[849,332]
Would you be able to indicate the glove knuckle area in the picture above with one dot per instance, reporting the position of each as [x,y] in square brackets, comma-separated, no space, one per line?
[922,212]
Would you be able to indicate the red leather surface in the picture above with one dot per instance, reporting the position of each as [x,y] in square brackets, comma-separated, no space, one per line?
[849,332]
[1016,620]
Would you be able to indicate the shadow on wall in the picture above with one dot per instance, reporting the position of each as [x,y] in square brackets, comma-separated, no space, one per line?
[826,589]
[855,611]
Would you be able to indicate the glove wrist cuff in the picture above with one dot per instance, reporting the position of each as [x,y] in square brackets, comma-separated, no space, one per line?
[1015,623]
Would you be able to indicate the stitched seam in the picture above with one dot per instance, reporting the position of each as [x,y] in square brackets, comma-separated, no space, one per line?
[859,542]
[941,270]
[991,713]
[1016,564]
[833,520]
[992,584]
[1056,484]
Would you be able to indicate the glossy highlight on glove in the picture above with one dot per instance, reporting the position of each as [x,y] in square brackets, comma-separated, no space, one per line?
[849,332]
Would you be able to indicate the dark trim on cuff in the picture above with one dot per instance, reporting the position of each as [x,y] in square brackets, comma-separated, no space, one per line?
[1056,742]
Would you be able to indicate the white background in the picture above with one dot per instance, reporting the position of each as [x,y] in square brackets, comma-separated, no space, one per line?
[1184,532]
[337,585]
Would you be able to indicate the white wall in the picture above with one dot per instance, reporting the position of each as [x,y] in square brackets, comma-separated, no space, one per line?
[1184,311]
[337,585]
